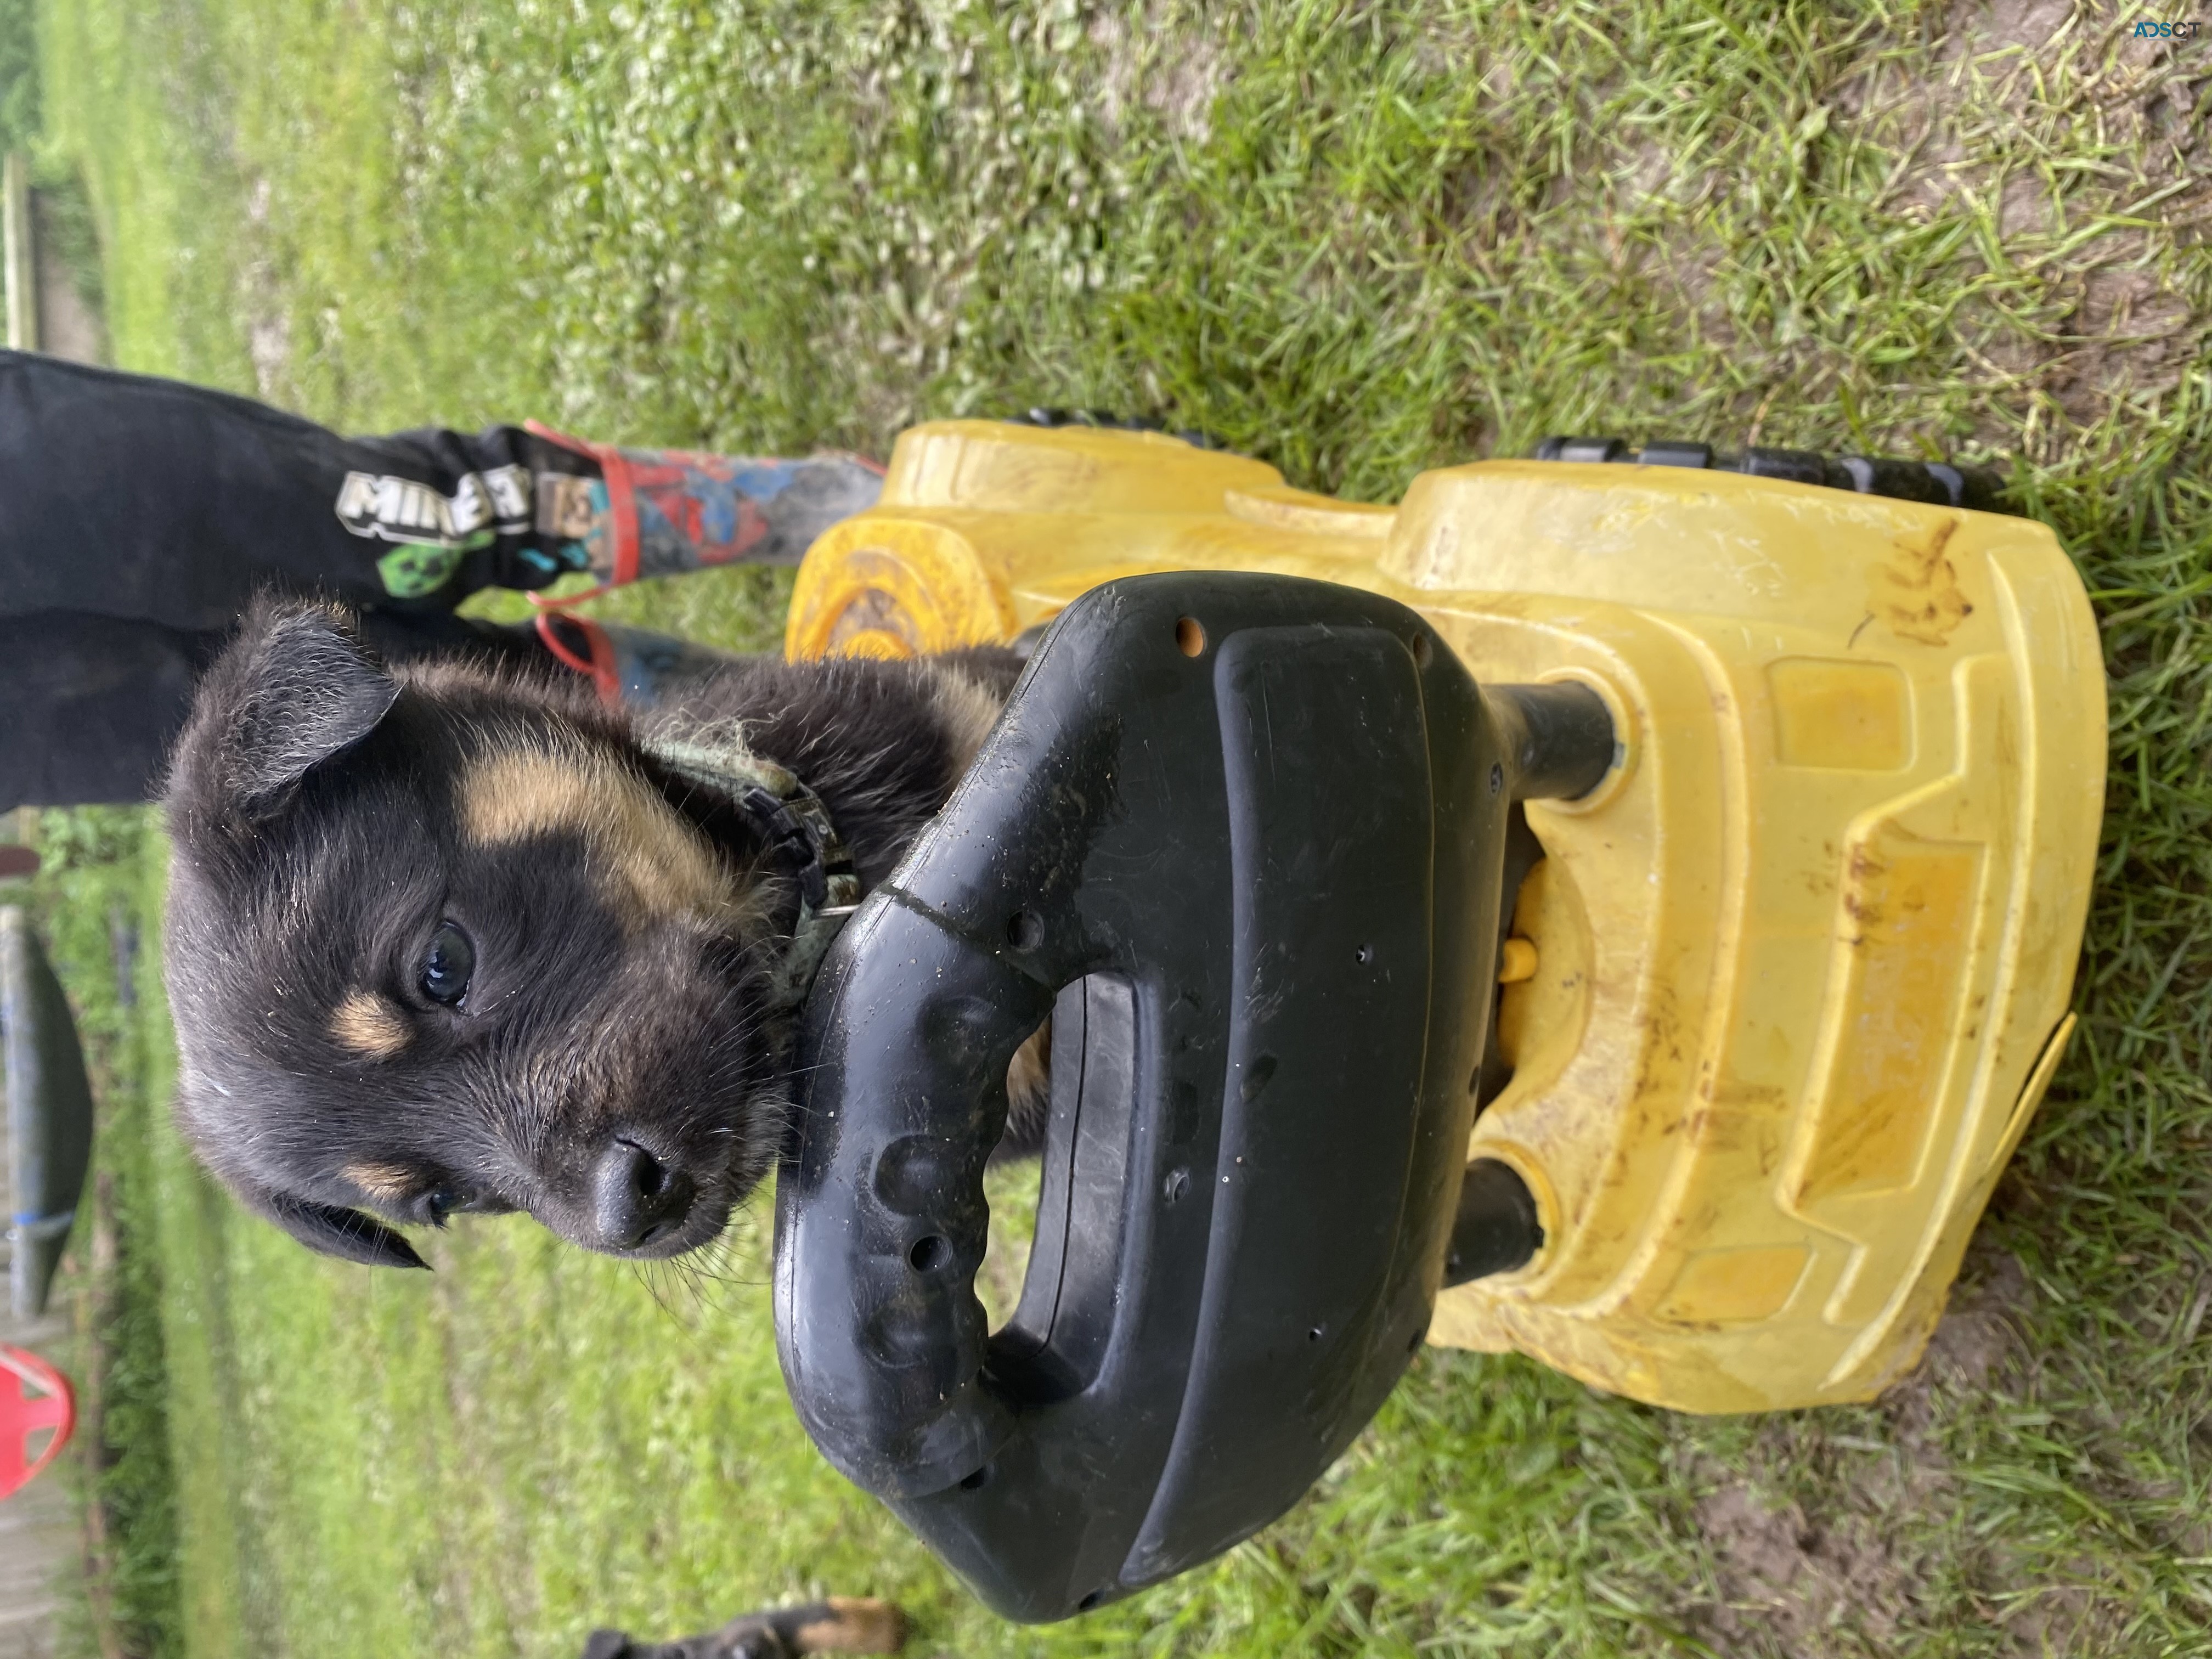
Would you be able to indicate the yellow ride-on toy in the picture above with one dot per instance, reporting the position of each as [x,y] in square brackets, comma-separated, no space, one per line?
[1786,936]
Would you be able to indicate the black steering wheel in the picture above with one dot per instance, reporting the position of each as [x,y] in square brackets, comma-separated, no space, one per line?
[1240,836]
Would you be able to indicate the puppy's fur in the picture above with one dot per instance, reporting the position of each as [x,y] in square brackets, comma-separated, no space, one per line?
[332,817]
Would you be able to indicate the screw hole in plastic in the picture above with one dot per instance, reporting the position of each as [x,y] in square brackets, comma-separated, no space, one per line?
[930,1252]
[1025,931]
[1190,636]
[1317,1333]
[1175,1185]
[1364,955]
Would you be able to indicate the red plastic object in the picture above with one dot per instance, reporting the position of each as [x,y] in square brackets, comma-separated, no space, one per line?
[23,1413]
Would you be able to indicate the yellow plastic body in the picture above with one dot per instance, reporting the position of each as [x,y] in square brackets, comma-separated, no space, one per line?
[1800,966]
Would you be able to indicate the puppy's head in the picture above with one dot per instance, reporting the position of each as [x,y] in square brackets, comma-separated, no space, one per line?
[440,940]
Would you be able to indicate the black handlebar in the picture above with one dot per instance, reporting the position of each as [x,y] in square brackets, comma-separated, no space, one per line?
[1241,837]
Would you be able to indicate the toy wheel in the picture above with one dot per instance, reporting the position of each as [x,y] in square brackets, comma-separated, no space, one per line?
[1937,483]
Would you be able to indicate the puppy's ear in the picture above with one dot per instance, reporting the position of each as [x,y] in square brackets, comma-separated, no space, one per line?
[201,1118]
[329,1230]
[296,687]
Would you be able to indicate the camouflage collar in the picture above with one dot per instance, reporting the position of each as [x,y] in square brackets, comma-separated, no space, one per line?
[800,838]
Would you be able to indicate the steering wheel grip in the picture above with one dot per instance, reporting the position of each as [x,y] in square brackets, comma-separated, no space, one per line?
[877,1315]
[1242,837]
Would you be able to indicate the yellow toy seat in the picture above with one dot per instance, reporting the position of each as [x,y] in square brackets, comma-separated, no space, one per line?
[1792,979]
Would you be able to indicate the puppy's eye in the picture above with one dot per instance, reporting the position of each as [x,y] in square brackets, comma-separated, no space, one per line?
[442,1203]
[448,964]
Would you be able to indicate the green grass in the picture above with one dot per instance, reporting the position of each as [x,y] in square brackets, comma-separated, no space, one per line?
[95,886]
[1356,240]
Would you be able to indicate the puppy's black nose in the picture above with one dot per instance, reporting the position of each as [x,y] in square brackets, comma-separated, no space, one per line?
[635,1198]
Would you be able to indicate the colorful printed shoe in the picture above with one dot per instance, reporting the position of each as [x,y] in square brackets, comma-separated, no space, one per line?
[656,511]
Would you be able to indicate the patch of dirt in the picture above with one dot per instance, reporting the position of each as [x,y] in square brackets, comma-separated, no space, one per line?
[2055,329]
[269,343]
[268,325]
[1975,1341]
[1798,1578]
[2120,329]
[1157,66]
[2130,335]
[1786,1583]
[2084,323]
[1980,25]
[2024,206]
[1979,1330]
[68,325]
[2066,1619]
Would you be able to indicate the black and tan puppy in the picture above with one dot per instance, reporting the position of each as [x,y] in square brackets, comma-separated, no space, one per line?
[444,938]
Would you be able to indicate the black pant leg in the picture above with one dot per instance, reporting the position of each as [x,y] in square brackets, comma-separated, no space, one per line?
[125,496]
[139,517]
[90,705]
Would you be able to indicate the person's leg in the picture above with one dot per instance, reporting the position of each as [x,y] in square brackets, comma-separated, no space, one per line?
[139,517]
[658,512]
[129,497]
[125,496]
[89,705]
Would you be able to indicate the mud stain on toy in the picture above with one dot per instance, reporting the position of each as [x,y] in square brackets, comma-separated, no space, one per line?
[1915,594]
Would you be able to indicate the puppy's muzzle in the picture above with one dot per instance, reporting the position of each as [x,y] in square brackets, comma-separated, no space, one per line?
[637,1200]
